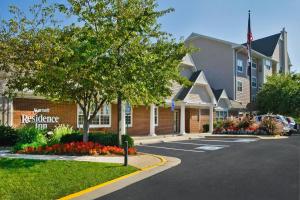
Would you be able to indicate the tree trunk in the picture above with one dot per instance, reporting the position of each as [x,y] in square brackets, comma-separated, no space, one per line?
[86,126]
[119,120]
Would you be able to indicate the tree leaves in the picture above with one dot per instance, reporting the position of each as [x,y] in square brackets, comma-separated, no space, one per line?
[280,95]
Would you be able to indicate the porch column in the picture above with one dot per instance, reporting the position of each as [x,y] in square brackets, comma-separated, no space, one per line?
[211,119]
[182,119]
[152,121]
[123,127]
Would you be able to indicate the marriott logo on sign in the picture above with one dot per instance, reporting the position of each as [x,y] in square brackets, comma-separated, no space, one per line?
[40,120]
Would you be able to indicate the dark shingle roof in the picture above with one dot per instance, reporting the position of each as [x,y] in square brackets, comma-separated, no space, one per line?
[266,45]
[217,93]
[185,90]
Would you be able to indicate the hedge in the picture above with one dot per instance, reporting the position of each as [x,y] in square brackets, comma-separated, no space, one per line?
[107,139]
[8,136]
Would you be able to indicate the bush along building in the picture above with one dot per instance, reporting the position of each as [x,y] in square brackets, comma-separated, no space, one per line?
[220,88]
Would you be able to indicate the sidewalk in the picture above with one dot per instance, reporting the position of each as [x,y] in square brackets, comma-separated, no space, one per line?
[139,161]
[171,138]
[168,138]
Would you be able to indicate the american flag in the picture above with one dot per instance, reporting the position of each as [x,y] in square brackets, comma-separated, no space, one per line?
[249,41]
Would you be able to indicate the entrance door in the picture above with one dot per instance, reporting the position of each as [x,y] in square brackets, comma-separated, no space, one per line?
[176,121]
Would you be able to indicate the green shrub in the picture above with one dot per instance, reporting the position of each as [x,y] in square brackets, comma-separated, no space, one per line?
[8,136]
[205,128]
[29,135]
[58,132]
[107,139]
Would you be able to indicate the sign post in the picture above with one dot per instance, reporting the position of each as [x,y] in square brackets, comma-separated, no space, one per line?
[173,106]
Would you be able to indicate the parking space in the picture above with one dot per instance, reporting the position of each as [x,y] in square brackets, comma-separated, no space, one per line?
[199,145]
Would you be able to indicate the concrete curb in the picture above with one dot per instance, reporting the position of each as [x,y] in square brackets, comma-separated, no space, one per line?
[167,138]
[246,136]
[122,182]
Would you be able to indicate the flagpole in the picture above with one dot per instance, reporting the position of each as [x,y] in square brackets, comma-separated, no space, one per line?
[250,57]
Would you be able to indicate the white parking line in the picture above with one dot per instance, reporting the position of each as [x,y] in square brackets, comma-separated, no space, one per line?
[210,148]
[175,149]
[197,144]
[232,141]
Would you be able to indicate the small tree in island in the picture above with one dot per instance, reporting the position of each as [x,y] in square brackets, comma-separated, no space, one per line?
[116,51]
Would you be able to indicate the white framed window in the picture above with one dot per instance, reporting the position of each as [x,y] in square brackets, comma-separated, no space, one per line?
[221,115]
[156,116]
[240,66]
[239,86]
[253,81]
[254,65]
[268,64]
[128,114]
[105,115]
[102,118]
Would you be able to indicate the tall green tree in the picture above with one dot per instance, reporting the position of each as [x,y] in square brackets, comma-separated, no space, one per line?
[280,95]
[117,51]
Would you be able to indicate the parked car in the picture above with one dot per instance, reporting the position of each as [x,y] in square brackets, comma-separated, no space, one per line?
[293,123]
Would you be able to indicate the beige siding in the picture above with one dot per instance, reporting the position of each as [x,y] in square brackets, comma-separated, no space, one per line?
[216,60]
[199,94]
[244,96]
[186,72]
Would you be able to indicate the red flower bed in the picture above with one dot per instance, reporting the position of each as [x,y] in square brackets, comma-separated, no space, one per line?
[77,148]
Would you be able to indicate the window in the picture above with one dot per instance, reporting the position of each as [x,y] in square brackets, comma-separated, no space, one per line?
[253,99]
[268,64]
[254,65]
[156,116]
[128,115]
[222,115]
[102,118]
[105,112]
[239,86]
[254,82]
[240,65]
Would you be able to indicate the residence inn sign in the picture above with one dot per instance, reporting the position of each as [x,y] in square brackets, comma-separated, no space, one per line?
[40,119]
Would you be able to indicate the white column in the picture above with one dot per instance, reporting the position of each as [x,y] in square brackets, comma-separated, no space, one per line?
[123,127]
[182,119]
[152,121]
[211,119]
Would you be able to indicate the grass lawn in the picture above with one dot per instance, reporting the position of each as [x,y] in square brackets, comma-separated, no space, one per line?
[37,179]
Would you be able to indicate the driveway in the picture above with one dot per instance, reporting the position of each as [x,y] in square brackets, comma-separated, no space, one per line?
[212,169]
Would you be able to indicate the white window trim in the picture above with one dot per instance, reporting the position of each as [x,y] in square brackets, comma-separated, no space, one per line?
[242,66]
[155,107]
[94,125]
[253,82]
[131,117]
[237,86]
[268,67]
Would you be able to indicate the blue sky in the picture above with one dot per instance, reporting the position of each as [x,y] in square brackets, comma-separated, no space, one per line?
[224,19]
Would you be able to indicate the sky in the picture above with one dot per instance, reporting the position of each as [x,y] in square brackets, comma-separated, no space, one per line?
[223,19]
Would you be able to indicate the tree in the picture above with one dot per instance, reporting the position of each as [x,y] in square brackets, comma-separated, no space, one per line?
[117,52]
[281,94]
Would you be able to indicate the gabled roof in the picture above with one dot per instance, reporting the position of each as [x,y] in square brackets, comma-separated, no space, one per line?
[197,35]
[185,90]
[266,45]
[217,93]
[187,60]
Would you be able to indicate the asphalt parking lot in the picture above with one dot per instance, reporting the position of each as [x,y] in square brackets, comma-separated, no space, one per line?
[212,169]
